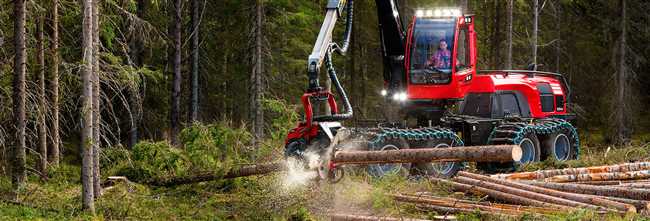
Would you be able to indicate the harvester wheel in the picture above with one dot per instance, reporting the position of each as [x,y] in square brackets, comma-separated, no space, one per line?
[557,146]
[442,170]
[530,147]
[379,170]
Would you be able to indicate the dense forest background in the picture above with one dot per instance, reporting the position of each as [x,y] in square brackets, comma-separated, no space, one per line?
[578,38]
[162,66]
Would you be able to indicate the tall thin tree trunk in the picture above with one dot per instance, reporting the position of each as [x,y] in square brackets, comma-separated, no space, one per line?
[135,97]
[535,29]
[509,41]
[558,29]
[54,84]
[256,78]
[176,82]
[18,150]
[464,6]
[496,55]
[87,109]
[194,88]
[42,128]
[621,104]
[97,189]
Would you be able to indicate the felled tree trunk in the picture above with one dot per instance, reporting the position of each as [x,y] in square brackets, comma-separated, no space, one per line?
[572,171]
[494,153]
[623,192]
[352,217]
[593,200]
[250,170]
[524,193]
[630,175]
[507,197]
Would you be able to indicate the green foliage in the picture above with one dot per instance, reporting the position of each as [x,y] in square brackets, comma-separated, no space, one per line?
[214,146]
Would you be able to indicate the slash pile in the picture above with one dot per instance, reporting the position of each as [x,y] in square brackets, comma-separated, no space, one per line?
[623,188]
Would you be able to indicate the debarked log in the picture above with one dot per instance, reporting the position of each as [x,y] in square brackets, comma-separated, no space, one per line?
[512,207]
[248,170]
[542,174]
[524,193]
[507,197]
[630,175]
[492,153]
[613,191]
[593,200]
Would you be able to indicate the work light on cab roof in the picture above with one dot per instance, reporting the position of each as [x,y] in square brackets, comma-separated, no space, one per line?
[438,13]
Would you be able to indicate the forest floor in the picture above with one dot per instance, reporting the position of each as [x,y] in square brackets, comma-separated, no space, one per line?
[272,197]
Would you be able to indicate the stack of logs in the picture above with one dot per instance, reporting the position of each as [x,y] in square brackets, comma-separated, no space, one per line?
[623,188]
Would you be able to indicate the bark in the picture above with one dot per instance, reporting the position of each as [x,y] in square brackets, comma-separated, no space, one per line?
[18,175]
[97,189]
[507,197]
[194,88]
[558,30]
[177,78]
[87,109]
[42,106]
[621,105]
[54,144]
[451,202]
[637,185]
[524,193]
[542,174]
[631,175]
[496,38]
[464,6]
[496,153]
[638,204]
[509,41]
[352,217]
[622,192]
[535,30]
[257,114]
[598,201]
[250,170]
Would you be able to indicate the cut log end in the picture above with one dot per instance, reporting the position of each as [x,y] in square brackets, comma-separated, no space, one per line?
[517,153]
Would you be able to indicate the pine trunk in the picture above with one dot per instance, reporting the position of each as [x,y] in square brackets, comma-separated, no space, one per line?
[87,109]
[507,197]
[177,78]
[523,193]
[631,175]
[194,88]
[621,104]
[250,170]
[135,102]
[613,191]
[42,106]
[20,67]
[499,153]
[598,201]
[97,189]
[54,148]
[510,30]
[256,78]
[352,217]
[535,30]
[542,174]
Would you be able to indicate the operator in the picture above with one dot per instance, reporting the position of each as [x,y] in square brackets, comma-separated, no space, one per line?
[442,58]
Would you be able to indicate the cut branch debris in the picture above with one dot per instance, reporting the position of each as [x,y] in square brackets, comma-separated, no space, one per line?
[542,174]
[592,200]
[494,153]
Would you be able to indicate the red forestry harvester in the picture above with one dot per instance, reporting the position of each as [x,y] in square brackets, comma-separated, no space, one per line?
[430,74]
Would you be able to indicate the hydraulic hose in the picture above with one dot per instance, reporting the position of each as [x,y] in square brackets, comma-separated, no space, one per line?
[346,102]
[348,30]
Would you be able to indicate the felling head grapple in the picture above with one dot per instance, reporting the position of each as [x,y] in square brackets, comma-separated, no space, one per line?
[430,73]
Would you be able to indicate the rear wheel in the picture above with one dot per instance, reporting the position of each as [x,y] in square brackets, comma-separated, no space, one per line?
[379,170]
[521,134]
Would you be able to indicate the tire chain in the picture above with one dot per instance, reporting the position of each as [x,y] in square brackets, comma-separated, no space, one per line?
[517,130]
[414,134]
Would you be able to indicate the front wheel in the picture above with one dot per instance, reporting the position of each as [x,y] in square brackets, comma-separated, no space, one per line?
[442,169]
[379,170]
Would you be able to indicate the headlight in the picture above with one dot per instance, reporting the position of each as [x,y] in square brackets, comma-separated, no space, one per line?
[401,96]
[384,92]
